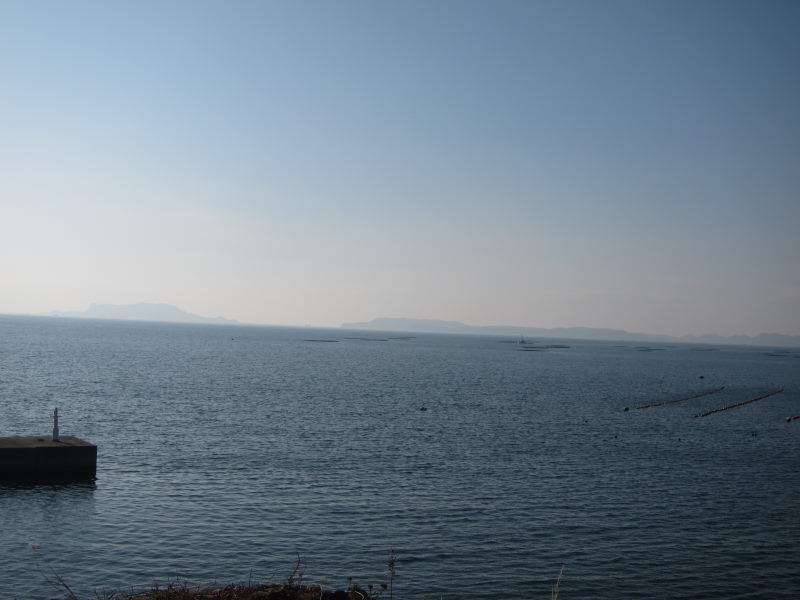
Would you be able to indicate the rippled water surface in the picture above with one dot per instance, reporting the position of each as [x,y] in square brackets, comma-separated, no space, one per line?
[226,452]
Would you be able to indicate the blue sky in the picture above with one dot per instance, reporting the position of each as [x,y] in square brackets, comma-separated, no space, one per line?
[611,164]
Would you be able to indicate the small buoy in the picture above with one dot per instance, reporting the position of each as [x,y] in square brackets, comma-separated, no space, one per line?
[627,409]
[423,408]
[702,377]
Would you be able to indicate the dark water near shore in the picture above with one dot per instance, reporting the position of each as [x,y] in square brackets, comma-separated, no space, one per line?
[226,452]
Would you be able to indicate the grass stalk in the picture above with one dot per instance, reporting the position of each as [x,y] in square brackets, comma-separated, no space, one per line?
[557,585]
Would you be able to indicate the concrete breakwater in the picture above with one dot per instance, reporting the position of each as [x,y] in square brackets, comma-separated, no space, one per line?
[41,458]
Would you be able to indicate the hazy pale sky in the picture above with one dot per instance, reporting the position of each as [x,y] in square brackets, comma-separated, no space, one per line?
[627,164]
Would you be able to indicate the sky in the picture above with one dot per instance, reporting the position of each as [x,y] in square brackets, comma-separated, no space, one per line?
[623,164]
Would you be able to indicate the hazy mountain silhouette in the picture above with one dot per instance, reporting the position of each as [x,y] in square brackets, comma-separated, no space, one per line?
[142,312]
[583,333]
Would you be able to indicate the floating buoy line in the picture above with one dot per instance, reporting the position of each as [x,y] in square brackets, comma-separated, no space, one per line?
[716,410]
[700,395]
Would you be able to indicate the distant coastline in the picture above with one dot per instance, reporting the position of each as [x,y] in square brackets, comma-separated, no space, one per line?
[143,311]
[584,333]
[167,313]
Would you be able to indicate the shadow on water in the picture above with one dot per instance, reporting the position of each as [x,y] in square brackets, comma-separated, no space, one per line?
[39,484]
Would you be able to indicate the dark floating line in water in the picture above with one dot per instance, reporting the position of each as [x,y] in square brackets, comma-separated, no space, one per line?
[716,410]
[794,418]
[700,395]
[529,348]
[320,340]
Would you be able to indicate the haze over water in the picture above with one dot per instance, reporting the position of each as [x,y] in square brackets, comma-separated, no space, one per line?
[619,164]
[224,452]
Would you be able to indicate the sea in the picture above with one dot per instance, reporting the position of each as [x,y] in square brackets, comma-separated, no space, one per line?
[483,465]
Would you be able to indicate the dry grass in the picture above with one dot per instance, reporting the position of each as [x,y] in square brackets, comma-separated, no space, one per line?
[245,592]
[557,585]
[292,589]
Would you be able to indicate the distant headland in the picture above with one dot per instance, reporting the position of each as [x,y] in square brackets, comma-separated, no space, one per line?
[583,333]
[142,311]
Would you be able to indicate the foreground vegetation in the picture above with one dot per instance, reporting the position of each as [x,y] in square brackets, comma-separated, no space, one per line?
[245,592]
[292,589]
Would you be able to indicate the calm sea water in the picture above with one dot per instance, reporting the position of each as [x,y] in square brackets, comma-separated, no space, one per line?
[227,452]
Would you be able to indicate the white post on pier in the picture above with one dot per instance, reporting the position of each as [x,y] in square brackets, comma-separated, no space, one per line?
[56,437]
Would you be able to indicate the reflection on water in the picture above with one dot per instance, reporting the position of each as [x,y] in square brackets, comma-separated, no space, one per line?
[62,488]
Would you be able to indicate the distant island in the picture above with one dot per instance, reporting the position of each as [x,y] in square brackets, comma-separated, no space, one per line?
[142,312]
[583,333]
